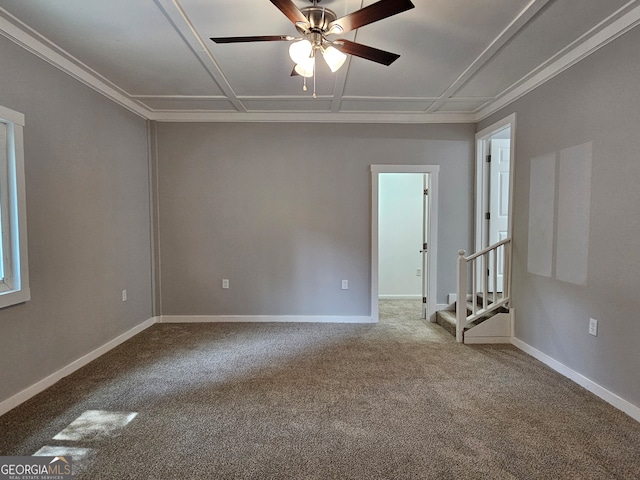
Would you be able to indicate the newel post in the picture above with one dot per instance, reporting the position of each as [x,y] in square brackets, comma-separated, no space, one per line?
[461,299]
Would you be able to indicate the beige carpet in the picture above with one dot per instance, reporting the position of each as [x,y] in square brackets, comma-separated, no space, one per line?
[396,400]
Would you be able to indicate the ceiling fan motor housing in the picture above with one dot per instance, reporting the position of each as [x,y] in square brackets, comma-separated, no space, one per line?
[319,18]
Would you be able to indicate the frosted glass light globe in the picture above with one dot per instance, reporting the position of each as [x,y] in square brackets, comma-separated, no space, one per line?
[306,68]
[300,51]
[334,58]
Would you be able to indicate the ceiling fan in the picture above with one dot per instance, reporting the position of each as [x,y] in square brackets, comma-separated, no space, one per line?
[315,24]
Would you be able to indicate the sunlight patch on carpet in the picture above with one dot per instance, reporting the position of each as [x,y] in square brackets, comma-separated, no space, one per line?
[81,456]
[94,424]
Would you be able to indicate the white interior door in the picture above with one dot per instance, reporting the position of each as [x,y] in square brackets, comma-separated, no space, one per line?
[499,200]
[400,217]
[425,247]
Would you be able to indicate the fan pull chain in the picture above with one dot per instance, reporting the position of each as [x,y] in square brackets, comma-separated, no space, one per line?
[314,83]
[304,84]
[314,78]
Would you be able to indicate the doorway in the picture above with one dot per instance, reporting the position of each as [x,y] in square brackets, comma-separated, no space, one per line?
[404,236]
[494,190]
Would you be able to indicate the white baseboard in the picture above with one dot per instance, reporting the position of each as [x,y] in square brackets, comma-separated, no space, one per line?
[45,383]
[618,402]
[399,297]
[265,318]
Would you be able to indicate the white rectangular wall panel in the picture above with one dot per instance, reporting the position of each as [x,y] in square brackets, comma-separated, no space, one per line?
[542,190]
[574,201]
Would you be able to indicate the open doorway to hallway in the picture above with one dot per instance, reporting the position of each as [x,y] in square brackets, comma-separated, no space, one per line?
[403,239]
[404,220]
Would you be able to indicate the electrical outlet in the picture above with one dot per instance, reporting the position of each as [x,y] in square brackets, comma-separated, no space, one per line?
[418,272]
[124,295]
[225,283]
[593,327]
[345,284]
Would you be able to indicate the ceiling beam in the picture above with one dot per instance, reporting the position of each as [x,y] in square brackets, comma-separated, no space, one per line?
[341,77]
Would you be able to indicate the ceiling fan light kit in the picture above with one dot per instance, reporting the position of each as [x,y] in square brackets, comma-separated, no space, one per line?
[300,50]
[334,58]
[315,24]
[306,68]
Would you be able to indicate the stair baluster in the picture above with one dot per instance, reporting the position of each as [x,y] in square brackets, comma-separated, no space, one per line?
[481,262]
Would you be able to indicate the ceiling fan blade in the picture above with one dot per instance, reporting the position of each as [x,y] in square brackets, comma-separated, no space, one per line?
[290,10]
[363,51]
[260,38]
[294,73]
[372,13]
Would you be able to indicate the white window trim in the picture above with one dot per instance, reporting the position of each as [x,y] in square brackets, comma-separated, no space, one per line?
[18,290]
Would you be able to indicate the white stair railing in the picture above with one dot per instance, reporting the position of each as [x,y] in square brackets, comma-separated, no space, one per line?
[491,269]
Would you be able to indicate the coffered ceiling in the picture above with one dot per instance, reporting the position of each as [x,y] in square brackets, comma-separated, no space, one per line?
[460,60]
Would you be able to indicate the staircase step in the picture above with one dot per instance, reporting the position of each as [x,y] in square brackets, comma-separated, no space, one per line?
[480,296]
[447,318]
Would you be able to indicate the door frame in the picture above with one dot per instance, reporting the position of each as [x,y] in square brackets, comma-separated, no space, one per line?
[433,171]
[482,178]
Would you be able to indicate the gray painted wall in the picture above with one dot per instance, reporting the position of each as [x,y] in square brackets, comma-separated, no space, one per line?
[87,218]
[594,101]
[284,212]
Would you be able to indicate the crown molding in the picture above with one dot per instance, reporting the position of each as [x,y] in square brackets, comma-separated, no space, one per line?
[312,117]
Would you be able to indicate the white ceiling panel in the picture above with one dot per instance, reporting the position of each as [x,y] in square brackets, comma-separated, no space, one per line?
[436,42]
[259,68]
[130,42]
[462,105]
[299,105]
[188,104]
[554,28]
[391,105]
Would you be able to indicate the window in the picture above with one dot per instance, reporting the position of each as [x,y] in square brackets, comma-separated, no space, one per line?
[14,277]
